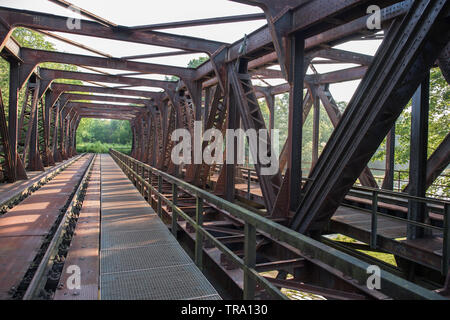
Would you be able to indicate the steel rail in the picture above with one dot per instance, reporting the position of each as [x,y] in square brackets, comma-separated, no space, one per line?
[40,276]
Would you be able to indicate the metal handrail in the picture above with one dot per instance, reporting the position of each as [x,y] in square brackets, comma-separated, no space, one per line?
[310,248]
[375,193]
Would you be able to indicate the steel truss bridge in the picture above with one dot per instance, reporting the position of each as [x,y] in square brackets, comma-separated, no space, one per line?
[251,234]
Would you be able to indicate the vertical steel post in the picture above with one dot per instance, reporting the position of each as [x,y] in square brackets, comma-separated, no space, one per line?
[296,79]
[174,212]
[418,158]
[198,233]
[249,260]
[315,137]
[150,173]
[249,180]
[230,168]
[159,208]
[446,243]
[388,182]
[12,115]
[374,225]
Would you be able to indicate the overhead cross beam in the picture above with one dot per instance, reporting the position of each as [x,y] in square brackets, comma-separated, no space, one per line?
[34,57]
[63,87]
[262,38]
[103,115]
[66,97]
[42,21]
[201,22]
[49,75]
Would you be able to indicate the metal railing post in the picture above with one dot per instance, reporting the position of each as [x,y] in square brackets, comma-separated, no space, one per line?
[373,234]
[160,182]
[198,234]
[446,243]
[150,186]
[249,260]
[174,213]
[248,183]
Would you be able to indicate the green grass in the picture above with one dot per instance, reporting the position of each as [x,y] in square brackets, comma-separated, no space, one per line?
[385,257]
[99,147]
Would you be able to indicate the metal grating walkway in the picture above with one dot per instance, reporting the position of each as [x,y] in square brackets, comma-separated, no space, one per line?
[139,257]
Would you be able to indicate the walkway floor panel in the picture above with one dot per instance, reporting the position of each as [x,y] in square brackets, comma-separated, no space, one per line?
[140,258]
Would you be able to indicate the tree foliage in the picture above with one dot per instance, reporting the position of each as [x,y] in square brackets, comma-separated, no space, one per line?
[104,131]
[33,40]
[438,122]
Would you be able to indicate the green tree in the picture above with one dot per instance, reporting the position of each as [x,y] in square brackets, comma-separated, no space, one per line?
[194,63]
[33,40]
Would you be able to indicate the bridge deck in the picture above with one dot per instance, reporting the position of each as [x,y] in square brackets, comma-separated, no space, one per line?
[139,257]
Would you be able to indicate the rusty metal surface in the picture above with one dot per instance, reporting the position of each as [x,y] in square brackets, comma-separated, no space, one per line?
[85,246]
[23,228]
[297,33]
[140,258]
[12,190]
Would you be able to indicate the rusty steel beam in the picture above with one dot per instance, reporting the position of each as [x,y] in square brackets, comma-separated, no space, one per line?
[344,56]
[42,21]
[4,143]
[262,37]
[444,62]
[67,4]
[200,22]
[110,107]
[49,75]
[402,63]
[33,57]
[63,87]
[157,55]
[100,115]
[366,178]
[74,43]
[340,75]
[66,97]
[436,163]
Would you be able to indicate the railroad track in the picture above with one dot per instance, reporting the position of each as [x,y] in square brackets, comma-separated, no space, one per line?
[46,257]
[16,199]
[46,278]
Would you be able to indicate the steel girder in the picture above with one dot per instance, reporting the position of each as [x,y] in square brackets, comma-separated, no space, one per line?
[244,96]
[366,178]
[33,57]
[5,150]
[67,97]
[436,163]
[49,75]
[41,21]
[62,87]
[401,64]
